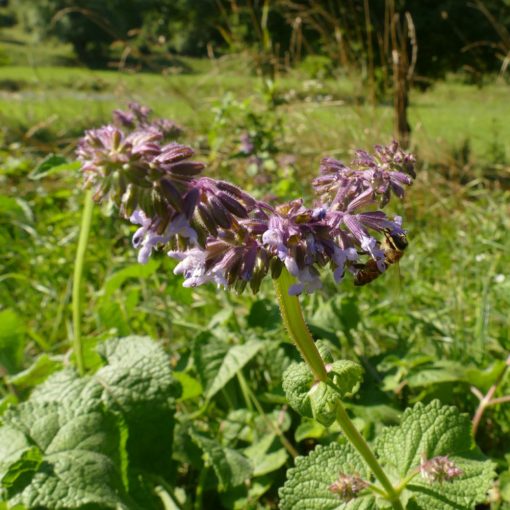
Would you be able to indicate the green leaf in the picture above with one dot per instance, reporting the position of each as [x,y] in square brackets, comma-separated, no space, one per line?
[28,463]
[318,400]
[231,467]
[53,164]
[217,362]
[12,334]
[265,461]
[307,485]
[15,208]
[430,431]
[136,384]
[71,459]
[36,373]
[446,371]
[264,314]
[191,388]
[309,429]
[239,425]
[117,279]
[67,388]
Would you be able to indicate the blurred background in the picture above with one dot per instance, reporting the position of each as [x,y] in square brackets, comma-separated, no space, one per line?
[263,90]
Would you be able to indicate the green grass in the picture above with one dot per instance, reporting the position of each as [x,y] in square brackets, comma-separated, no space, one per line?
[450,122]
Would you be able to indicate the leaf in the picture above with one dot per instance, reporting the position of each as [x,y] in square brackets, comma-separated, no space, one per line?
[36,373]
[28,463]
[231,467]
[446,371]
[136,384]
[432,431]
[270,462]
[239,425]
[309,429]
[265,461]
[264,314]
[67,388]
[307,485]
[71,459]
[208,354]
[117,279]
[12,334]
[53,164]
[191,388]
[15,208]
[318,400]
[217,362]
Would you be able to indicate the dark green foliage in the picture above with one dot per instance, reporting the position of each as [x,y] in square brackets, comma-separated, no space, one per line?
[451,35]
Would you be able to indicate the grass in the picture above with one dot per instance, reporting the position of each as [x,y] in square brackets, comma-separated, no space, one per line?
[450,122]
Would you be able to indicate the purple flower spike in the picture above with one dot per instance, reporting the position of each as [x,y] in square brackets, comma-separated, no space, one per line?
[220,234]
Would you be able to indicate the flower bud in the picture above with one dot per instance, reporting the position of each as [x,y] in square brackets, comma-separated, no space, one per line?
[232,205]
[439,469]
[348,486]
[171,194]
[219,213]
[207,219]
[187,168]
[190,202]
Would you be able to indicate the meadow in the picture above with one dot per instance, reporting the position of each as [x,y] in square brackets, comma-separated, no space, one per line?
[435,327]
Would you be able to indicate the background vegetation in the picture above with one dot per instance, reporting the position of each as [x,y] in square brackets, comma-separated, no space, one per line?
[303,79]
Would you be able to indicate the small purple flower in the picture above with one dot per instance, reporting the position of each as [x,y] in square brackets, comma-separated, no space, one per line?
[348,487]
[123,118]
[193,266]
[439,469]
[147,238]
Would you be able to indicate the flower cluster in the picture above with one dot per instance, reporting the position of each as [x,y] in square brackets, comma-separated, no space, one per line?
[348,487]
[439,469]
[220,233]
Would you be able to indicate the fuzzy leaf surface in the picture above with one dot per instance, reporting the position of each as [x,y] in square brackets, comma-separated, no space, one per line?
[78,450]
[137,384]
[318,400]
[434,430]
[307,485]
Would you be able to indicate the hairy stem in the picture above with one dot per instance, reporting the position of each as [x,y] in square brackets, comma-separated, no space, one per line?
[86,219]
[298,331]
[488,399]
[358,441]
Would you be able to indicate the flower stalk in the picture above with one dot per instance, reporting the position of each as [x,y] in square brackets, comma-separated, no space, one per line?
[86,219]
[299,333]
[296,326]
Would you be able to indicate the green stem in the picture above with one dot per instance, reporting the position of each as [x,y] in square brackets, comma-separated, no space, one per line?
[357,440]
[285,442]
[293,318]
[86,219]
[296,326]
[405,482]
